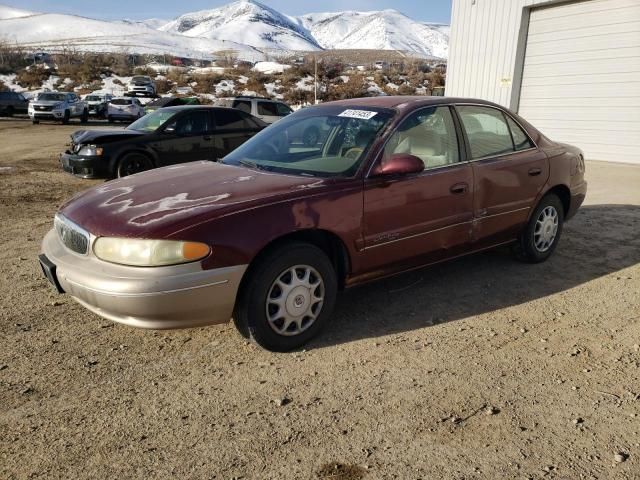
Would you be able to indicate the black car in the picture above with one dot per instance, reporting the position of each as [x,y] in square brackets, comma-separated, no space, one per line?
[165,137]
[12,102]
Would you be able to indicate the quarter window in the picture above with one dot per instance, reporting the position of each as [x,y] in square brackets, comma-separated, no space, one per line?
[243,105]
[520,139]
[267,108]
[487,131]
[428,134]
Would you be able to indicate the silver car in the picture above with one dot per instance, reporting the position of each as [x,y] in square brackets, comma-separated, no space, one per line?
[60,106]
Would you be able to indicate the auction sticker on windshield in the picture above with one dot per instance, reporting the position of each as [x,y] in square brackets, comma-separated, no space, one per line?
[361,114]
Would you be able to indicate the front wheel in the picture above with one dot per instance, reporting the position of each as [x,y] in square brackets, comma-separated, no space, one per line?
[542,234]
[85,116]
[67,116]
[133,163]
[288,298]
[110,119]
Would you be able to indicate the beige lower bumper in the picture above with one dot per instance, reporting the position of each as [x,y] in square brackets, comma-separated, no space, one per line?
[178,296]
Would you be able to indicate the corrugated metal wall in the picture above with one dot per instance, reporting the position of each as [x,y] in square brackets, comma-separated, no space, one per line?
[482,52]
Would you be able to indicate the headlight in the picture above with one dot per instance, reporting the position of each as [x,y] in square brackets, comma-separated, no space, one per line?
[148,253]
[91,150]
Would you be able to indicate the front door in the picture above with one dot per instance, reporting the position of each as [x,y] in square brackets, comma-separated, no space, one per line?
[421,218]
[509,173]
[186,139]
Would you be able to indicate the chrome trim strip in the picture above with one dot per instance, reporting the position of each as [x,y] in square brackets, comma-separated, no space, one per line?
[414,235]
[502,213]
[144,294]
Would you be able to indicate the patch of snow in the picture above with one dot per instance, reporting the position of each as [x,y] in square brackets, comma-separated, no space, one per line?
[270,67]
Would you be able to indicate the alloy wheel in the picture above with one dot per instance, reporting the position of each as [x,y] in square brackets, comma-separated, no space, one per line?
[295,300]
[546,229]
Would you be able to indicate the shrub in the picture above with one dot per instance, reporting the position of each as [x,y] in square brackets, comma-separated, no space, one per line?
[33,77]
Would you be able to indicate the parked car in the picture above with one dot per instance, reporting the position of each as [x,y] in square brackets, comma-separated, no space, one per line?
[98,103]
[124,109]
[162,102]
[164,137]
[265,109]
[12,102]
[61,106]
[142,85]
[273,231]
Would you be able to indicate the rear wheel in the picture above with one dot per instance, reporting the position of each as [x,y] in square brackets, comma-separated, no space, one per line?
[288,298]
[133,163]
[85,116]
[67,116]
[542,234]
[9,111]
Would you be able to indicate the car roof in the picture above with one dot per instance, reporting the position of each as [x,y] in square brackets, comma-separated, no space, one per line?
[402,102]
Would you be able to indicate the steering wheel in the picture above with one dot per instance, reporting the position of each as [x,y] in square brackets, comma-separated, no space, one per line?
[354,153]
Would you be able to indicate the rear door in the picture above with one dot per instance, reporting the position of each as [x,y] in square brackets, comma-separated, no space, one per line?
[232,128]
[416,219]
[509,172]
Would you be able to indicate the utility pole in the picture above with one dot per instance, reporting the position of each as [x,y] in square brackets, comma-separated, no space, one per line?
[315,79]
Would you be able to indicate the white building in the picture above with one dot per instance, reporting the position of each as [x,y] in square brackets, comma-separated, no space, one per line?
[571,68]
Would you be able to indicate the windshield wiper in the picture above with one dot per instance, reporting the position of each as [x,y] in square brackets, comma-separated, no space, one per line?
[253,165]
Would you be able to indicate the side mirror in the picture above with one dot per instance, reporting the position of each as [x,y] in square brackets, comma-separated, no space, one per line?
[399,164]
[171,129]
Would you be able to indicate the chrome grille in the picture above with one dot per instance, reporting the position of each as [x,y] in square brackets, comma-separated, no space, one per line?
[72,236]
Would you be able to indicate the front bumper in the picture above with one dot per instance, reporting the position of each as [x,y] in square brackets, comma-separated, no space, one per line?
[179,296]
[51,115]
[85,166]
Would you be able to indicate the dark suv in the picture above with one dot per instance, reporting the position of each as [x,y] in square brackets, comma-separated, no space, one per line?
[164,137]
[12,102]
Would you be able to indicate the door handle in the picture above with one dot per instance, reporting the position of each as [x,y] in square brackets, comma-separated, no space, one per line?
[535,171]
[459,188]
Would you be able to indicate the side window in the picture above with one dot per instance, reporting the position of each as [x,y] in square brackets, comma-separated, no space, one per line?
[267,108]
[430,135]
[283,110]
[487,131]
[227,119]
[244,105]
[193,123]
[520,139]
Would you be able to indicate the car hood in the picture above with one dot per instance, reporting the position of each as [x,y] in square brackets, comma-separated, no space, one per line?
[46,102]
[99,137]
[161,202]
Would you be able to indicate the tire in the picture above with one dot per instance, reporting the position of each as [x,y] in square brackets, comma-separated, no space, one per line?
[85,116]
[260,295]
[67,116]
[35,122]
[110,119]
[9,111]
[133,163]
[541,236]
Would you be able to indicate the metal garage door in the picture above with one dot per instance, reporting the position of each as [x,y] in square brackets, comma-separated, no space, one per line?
[581,78]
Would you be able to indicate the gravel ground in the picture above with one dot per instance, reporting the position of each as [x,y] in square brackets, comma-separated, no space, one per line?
[482,368]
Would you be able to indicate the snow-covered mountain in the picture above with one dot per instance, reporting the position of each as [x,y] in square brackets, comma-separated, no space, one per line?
[379,30]
[246,26]
[248,22]
[56,31]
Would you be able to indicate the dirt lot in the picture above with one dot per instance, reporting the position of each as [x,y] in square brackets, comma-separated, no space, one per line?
[482,368]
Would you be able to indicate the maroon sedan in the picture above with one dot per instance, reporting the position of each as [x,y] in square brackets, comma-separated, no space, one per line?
[271,233]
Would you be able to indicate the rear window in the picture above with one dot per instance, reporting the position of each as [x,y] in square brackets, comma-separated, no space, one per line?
[243,105]
[121,101]
[227,119]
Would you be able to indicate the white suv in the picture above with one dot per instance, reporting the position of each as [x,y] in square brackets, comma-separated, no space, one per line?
[265,109]
[124,108]
[142,85]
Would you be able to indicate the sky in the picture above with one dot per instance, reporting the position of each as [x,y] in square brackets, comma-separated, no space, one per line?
[425,10]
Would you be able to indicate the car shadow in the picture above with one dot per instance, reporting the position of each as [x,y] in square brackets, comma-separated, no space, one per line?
[600,240]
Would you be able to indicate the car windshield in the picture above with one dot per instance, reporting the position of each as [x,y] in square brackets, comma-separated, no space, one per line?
[151,121]
[93,98]
[331,141]
[59,97]
[140,79]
